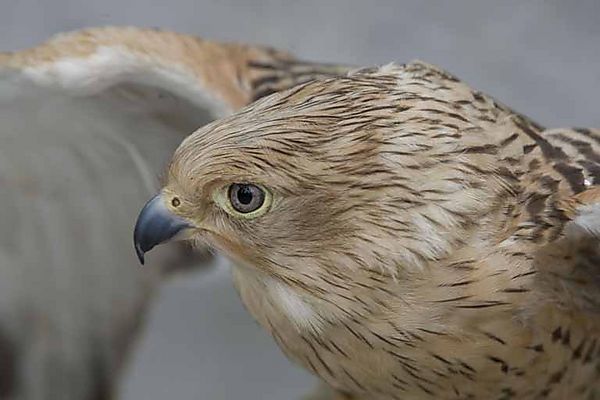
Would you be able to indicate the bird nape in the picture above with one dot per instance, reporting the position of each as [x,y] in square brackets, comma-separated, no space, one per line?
[402,235]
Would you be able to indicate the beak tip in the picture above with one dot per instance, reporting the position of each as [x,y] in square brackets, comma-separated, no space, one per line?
[140,253]
[141,257]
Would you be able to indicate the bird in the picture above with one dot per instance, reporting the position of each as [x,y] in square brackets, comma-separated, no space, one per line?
[89,119]
[401,235]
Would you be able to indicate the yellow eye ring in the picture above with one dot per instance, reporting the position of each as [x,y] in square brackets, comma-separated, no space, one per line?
[244,200]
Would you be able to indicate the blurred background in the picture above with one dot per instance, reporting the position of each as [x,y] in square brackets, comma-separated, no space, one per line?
[541,57]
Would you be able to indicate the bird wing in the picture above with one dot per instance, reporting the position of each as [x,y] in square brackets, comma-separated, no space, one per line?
[217,76]
[568,259]
[89,119]
[557,222]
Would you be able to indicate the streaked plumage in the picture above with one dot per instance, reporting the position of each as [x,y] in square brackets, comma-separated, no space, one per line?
[88,121]
[423,241]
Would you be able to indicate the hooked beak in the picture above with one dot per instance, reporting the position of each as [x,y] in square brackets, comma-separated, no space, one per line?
[156,224]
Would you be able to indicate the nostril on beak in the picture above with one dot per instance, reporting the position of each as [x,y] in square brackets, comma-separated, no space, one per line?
[156,224]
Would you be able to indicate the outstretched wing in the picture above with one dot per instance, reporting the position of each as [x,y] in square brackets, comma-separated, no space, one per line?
[88,121]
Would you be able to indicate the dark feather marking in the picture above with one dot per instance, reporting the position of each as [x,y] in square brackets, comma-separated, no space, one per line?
[445,113]
[404,359]
[587,133]
[458,298]
[412,371]
[579,350]
[463,283]
[484,149]
[383,339]
[442,359]
[550,152]
[404,341]
[566,339]
[357,383]
[320,342]
[490,303]
[573,175]
[528,148]
[557,334]
[358,336]
[494,337]
[582,147]
[432,332]
[544,393]
[556,377]
[456,391]
[423,388]
[398,379]
[465,265]
[509,139]
[354,299]
[318,357]
[467,366]
[523,274]
[342,309]
[415,336]
[518,254]
[538,348]
[440,374]
[342,352]
[312,366]
[537,203]
[503,364]
[515,290]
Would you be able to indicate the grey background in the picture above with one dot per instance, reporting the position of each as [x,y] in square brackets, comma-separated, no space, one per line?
[540,57]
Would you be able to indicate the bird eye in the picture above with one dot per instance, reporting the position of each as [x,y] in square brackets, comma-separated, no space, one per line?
[245,197]
[244,200]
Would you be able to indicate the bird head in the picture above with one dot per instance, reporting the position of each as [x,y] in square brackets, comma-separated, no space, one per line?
[343,174]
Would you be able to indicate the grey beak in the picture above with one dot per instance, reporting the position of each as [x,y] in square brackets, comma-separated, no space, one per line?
[156,224]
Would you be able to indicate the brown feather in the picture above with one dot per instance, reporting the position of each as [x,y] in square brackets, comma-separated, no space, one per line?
[418,243]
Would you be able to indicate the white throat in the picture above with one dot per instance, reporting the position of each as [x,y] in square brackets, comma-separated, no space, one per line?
[264,295]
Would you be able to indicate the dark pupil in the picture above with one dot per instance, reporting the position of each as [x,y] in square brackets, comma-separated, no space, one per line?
[245,195]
